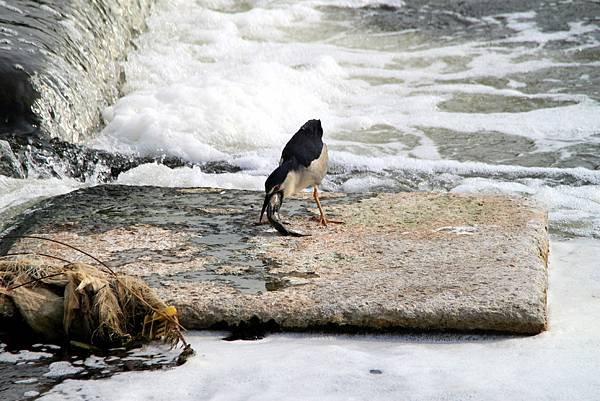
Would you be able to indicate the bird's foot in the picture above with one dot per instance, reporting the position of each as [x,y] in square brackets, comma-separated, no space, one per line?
[324,220]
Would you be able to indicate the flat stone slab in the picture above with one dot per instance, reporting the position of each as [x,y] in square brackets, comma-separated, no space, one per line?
[426,261]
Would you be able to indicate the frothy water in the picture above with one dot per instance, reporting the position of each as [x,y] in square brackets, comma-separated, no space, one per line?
[451,97]
[460,107]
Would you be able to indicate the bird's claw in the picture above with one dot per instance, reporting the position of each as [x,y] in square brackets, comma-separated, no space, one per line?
[324,221]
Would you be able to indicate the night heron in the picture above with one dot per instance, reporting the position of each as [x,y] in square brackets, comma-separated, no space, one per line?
[303,163]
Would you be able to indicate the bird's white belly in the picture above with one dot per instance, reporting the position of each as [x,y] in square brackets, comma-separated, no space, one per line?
[306,176]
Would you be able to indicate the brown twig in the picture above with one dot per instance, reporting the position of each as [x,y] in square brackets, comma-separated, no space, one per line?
[37,254]
[64,244]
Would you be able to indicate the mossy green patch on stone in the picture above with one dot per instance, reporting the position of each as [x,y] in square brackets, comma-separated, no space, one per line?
[426,211]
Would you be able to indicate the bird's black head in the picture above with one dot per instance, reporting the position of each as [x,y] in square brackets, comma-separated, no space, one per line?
[313,127]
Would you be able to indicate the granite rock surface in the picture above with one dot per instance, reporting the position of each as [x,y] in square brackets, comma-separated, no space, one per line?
[424,261]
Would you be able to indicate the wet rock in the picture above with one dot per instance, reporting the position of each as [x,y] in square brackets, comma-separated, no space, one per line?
[426,261]
[36,154]
[7,308]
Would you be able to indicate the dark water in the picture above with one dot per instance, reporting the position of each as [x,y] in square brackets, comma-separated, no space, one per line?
[29,367]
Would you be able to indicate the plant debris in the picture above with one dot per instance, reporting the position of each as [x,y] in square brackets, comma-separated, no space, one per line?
[85,304]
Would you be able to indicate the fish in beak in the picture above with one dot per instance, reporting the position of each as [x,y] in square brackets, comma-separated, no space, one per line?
[271,205]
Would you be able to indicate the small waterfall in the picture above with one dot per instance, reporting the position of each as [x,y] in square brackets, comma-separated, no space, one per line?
[59,67]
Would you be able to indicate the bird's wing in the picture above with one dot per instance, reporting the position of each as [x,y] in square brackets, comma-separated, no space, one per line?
[277,177]
[303,147]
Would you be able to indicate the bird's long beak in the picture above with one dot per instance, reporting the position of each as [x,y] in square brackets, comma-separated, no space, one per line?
[264,207]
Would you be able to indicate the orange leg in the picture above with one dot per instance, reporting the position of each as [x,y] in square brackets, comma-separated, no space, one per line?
[323,219]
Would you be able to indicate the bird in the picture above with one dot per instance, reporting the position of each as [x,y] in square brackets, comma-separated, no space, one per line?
[303,163]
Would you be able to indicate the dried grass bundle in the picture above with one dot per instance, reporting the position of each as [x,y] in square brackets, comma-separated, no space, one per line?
[83,303]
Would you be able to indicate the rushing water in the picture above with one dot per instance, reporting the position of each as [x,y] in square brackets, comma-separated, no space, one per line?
[500,98]
[470,97]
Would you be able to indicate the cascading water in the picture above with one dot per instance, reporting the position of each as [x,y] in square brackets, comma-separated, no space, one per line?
[59,67]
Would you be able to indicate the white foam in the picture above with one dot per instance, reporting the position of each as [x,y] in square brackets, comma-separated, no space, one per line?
[361,184]
[528,31]
[31,380]
[210,85]
[376,164]
[14,191]
[61,369]
[95,362]
[52,11]
[357,3]
[549,128]
[161,175]
[22,356]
